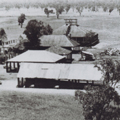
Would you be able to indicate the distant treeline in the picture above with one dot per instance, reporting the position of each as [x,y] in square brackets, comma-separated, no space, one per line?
[79,5]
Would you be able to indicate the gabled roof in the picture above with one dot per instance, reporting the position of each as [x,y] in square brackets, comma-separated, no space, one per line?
[58,50]
[37,56]
[57,40]
[82,72]
[75,31]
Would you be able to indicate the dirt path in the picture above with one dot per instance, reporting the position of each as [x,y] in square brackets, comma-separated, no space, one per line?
[10,85]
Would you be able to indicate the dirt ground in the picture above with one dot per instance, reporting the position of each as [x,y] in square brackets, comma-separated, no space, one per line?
[9,82]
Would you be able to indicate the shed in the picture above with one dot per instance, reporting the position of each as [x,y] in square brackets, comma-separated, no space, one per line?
[85,55]
[33,56]
[67,73]
[58,40]
[61,51]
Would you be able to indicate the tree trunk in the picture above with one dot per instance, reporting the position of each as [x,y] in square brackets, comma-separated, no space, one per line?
[119,11]
[57,15]
[48,15]
[21,25]
[80,13]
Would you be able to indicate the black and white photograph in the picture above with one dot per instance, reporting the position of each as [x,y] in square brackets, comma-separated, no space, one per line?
[59,59]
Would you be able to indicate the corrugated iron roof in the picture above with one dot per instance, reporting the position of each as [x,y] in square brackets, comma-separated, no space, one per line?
[88,53]
[57,40]
[58,50]
[60,71]
[75,31]
[37,56]
[61,30]
[78,31]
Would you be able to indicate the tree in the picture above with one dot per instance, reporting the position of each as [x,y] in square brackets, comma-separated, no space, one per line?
[59,7]
[93,9]
[35,29]
[118,10]
[3,37]
[105,8]
[67,8]
[111,71]
[101,102]
[21,19]
[89,38]
[47,12]
[110,10]
[98,102]
[79,9]
[118,7]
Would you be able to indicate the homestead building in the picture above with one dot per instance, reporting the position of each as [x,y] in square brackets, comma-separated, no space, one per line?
[77,33]
[63,41]
[63,75]
[33,56]
[46,69]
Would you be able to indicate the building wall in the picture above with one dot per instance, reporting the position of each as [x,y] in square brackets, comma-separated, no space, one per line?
[90,42]
[10,42]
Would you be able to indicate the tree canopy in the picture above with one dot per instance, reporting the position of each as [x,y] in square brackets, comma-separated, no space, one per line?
[101,102]
[67,8]
[89,36]
[111,71]
[35,29]
[21,19]
[47,12]
[98,103]
[3,35]
[59,7]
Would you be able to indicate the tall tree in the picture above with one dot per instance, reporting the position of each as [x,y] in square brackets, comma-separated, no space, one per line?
[21,19]
[35,29]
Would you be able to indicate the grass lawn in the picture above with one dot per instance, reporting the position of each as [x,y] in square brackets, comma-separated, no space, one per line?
[35,106]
